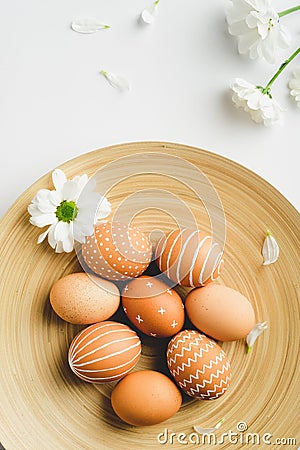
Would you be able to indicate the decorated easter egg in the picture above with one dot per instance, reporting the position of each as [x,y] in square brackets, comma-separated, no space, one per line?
[221,312]
[82,298]
[145,398]
[189,257]
[104,352]
[153,307]
[117,251]
[199,365]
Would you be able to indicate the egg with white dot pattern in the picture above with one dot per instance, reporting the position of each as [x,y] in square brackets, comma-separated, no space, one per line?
[117,251]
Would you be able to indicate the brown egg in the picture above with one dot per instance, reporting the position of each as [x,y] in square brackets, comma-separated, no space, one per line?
[189,257]
[81,298]
[117,251]
[199,366]
[104,352]
[145,398]
[220,312]
[153,307]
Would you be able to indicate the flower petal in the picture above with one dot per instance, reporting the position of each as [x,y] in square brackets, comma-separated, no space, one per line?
[103,209]
[43,236]
[55,198]
[61,231]
[59,179]
[87,26]
[270,250]
[284,38]
[211,430]
[51,236]
[68,244]
[70,191]
[116,81]
[59,248]
[42,195]
[247,40]
[238,28]
[256,331]
[148,14]
[33,210]
[82,181]
[43,220]
[294,86]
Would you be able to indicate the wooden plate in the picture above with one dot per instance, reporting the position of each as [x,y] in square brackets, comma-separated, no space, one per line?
[43,406]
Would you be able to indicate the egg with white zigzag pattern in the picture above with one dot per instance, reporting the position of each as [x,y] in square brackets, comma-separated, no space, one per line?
[198,365]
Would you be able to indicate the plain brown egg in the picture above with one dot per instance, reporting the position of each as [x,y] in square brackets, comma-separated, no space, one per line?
[146,397]
[220,312]
[82,298]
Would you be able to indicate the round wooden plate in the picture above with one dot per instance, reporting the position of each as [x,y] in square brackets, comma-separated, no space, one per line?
[44,406]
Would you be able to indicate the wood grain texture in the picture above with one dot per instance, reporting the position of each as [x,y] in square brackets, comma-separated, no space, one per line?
[44,406]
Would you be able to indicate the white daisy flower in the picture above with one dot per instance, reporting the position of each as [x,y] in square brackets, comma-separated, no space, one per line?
[294,86]
[257,100]
[258,28]
[260,105]
[69,210]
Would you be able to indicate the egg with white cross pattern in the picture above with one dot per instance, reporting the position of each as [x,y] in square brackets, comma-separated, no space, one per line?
[153,307]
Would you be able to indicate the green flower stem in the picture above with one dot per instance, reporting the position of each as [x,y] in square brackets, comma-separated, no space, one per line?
[281,68]
[288,11]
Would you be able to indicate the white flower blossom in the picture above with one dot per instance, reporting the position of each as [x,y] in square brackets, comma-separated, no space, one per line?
[294,86]
[69,210]
[261,106]
[258,28]
[270,249]
[256,331]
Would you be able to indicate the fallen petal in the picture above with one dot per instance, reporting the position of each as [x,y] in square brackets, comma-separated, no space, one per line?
[116,81]
[209,430]
[148,14]
[87,26]
[270,250]
[256,331]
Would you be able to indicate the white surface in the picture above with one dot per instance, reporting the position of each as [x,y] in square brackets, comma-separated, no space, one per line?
[56,105]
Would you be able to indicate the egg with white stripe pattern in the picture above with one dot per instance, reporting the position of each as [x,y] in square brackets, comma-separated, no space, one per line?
[103,352]
[189,257]
[199,365]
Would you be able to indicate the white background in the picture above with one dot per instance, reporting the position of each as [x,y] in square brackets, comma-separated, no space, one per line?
[55,104]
